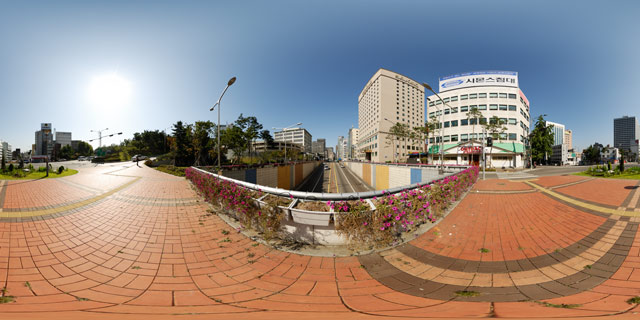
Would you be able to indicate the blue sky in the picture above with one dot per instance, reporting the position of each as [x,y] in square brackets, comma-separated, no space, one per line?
[305,61]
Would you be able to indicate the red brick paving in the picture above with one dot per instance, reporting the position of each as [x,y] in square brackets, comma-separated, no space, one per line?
[605,191]
[552,181]
[500,185]
[128,260]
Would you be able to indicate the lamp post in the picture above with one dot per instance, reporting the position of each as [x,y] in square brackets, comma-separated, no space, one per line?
[428,87]
[394,144]
[285,140]
[229,83]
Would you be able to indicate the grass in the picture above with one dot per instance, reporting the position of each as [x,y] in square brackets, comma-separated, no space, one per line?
[634,300]
[561,305]
[6,299]
[466,293]
[40,175]
[176,171]
[630,173]
[484,250]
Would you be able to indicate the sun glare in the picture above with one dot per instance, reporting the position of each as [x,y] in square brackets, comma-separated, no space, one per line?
[109,90]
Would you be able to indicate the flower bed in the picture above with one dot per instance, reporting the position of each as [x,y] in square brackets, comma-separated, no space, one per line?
[376,223]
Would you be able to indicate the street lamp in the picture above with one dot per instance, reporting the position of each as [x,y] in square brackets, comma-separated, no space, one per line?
[441,124]
[394,144]
[285,140]
[231,81]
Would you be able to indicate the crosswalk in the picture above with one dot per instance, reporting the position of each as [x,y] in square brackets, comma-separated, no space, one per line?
[515,175]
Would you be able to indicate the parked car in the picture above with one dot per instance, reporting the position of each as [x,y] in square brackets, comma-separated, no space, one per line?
[140,158]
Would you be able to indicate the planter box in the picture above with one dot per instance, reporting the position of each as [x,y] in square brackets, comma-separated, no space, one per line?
[371,205]
[311,218]
[286,210]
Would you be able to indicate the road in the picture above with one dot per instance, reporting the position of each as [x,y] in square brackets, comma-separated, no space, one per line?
[334,180]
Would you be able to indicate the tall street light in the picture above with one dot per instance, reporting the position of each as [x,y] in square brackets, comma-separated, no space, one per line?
[231,81]
[394,144]
[283,137]
[428,87]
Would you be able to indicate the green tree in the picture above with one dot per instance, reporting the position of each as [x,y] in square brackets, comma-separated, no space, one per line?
[541,140]
[182,147]
[495,128]
[233,138]
[84,149]
[66,152]
[591,155]
[393,137]
[251,129]
[265,135]
[433,126]
[3,167]
[421,134]
[202,142]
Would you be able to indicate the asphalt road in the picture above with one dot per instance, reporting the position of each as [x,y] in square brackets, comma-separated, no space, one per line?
[334,180]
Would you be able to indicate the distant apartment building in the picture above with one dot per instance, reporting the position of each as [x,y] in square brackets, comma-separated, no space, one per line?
[568,139]
[330,154]
[44,140]
[341,148]
[295,135]
[318,147]
[388,98]
[626,135]
[5,151]
[352,142]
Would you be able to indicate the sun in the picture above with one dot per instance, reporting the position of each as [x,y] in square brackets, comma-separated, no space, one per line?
[109,90]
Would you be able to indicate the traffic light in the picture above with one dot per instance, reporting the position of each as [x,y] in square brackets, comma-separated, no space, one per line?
[489,142]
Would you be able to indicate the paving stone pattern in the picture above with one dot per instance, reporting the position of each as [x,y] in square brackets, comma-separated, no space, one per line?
[130,243]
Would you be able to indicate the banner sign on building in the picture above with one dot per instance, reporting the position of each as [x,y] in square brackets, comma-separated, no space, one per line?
[471,149]
[479,78]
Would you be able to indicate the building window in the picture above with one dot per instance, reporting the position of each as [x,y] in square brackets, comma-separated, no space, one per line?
[512,108]
[513,136]
[454,98]
[493,95]
[482,95]
[473,121]
[446,100]
[464,137]
[503,107]
[454,123]
[445,139]
[503,136]
[447,111]
[464,122]
[482,107]
[493,107]
[483,120]
[463,97]
[446,124]
[454,110]
[431,104]
[464,109]
[513,121]
[471,107]
[473,96]
[512,96]
[454,138]
[431,140]
[503,95]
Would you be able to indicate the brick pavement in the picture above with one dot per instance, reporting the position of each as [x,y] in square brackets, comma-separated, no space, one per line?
[143,245]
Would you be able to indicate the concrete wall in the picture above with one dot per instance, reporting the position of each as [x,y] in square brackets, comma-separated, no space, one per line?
[385,176]
[285,177]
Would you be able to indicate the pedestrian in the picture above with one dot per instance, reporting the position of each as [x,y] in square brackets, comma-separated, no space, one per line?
[137,158]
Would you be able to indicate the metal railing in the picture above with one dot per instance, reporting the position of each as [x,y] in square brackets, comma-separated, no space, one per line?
[322,196]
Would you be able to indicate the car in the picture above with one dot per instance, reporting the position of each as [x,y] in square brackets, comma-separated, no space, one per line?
[326,167]
[140,158]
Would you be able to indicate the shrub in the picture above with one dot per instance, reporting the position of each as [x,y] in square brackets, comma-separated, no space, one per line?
[148,163]
[10,168]
[60,169]
[42,169]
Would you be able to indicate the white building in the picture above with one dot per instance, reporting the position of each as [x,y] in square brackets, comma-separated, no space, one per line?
[295,135]
[609,154]
[493,93]
[388,98]
[352,142]
[5,150]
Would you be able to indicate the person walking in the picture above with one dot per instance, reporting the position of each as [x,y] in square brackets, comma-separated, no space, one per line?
[137,158]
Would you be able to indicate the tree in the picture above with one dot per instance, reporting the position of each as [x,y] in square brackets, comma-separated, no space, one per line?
[84,149]
[182,147]
[265,135]
[395,133]
[433,126]
[66,152]
[202,141]
[541,140]
[421,134]
[3,167]
[251,129]
[233,138]
[591,154]
[495,128]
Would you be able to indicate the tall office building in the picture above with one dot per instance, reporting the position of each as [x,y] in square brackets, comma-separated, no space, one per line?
[493,94]
[44,140]
[388,98]
[318,147]
[558,132]
[626,132]
[63,138]
[341,149]
[5,150]
[568,139]
[352,142]
[298,136]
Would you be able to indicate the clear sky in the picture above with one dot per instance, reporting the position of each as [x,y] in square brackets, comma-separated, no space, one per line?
[303,61]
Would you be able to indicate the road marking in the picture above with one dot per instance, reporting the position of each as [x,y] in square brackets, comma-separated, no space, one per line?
[345,177]
[335,177]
